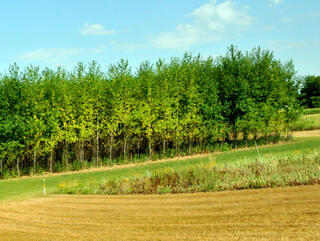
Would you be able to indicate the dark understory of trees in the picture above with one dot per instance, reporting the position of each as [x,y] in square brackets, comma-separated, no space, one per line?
[52,119]
[310,92]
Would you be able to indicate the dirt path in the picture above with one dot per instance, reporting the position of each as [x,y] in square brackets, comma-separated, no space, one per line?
[266,214]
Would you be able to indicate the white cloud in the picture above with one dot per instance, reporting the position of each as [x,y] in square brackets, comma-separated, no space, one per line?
[286,20]
[274,2]
[211,22]
[50,55]
[95,29]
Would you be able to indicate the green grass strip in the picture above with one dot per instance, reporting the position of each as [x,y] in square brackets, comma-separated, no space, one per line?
[17,189]
[311,111]
[286,171]
[307,122]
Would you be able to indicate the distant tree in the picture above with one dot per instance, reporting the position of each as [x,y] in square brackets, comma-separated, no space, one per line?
[310,91]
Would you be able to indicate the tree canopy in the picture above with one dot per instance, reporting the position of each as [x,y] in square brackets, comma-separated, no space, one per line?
[52,119]
[310,91]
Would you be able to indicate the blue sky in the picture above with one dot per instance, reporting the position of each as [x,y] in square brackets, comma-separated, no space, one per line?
[61,33]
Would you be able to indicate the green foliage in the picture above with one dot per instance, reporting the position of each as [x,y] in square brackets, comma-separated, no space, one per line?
[311,111]
[310,92]
[315,101]
[58,120]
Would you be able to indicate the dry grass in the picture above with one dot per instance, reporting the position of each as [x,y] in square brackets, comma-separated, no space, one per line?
[310,133]
[265,214]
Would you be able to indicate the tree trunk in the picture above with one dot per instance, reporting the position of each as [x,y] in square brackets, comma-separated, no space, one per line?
[111,146]
[97,148]
[80,152]
[34,161]
[18,168]
[245,138]
[65,154]
[51,161]
[177,147]
[164,146]
[125,148]
[150,148]
[235,138]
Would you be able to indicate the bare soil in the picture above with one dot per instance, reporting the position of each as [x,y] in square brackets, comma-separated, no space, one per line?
[291,213]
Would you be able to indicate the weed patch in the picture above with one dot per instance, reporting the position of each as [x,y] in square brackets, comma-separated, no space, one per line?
[286,171]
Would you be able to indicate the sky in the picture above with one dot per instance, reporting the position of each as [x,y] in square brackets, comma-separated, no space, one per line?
[62,33]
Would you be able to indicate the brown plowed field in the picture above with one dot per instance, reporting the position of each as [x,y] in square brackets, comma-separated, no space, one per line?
[291,213]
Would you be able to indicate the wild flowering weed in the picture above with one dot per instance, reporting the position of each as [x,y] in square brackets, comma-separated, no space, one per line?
[62,185]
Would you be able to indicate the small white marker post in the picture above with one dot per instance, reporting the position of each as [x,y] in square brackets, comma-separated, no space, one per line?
[44,186]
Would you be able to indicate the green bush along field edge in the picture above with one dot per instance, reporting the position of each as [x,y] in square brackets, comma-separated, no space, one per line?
[306,122]
[311,111]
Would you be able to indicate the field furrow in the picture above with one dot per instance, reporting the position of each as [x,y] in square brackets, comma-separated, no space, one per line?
[266,214]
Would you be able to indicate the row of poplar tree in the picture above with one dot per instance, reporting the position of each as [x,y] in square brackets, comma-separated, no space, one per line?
[56,117]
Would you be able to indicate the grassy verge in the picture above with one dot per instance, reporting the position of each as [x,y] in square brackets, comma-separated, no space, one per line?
[286,171]
[76,165]
[311,111]
[307,122]
[30,187]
